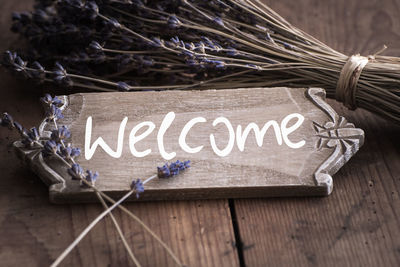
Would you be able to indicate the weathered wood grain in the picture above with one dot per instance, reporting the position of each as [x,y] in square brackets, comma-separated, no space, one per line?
[272,169]
[34,232]
[359,224]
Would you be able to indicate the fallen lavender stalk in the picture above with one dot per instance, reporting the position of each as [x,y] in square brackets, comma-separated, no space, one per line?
[136,187]
[56,147]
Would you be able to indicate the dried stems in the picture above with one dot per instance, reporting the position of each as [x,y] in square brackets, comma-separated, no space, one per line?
[111,45]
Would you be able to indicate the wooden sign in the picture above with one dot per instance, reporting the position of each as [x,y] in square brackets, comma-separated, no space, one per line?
[258,142]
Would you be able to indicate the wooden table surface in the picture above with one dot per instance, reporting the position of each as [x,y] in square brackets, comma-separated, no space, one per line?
[358,225]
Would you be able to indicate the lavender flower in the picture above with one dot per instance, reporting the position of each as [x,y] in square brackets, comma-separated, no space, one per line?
[7,120]
[9,58]
[54,113]
[60,134]
[31,137]
[59,73]
[20,65]
[76,172]
[91,177]
[230,51]
[156,42]
[169,170]
[50,148]
[92,9]
[48,100]
[137,186]
[288,46]
[114,23]
[69,152]
[219,21]
[122,86]
[95,46]
[173,22]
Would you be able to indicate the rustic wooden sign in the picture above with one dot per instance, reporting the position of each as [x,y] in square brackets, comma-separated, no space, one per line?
[258,142]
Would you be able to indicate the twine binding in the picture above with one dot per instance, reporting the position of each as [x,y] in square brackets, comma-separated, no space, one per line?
[346,87]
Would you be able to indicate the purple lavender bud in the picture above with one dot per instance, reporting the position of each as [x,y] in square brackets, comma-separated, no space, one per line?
[114,23]
[76,172]
[164,171]
[288,46]
[156,42]
[49,100]
[60,134]
[231,51]
[253,66]
[190,46]
[19,64]
[137,186]
[95,46]
[50,148]
[75,152]
[123,87]
[91,177]
[92,8]
[60,73]
[173,22]
[31,137]
[37,66]
[9,58]
[169,170]
[208,42]
[187,53]
[174,168]
[219,21]
[217,63]
[53,114]
[69,152]
[175,40]
[34,134]
[59,67]
[186,164]
[220,64]
[7,120]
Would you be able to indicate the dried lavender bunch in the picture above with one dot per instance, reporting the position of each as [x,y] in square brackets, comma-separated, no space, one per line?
[125,45]
[57,146]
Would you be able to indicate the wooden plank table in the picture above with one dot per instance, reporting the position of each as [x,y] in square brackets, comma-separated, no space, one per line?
[358,225]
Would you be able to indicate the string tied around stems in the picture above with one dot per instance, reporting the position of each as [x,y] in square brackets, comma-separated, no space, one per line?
[346,87]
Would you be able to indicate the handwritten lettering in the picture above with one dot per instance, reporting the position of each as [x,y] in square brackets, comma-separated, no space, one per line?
[280,131]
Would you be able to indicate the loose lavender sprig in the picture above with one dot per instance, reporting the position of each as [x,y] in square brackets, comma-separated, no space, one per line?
[32,139]
[137,187]
[55,147]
